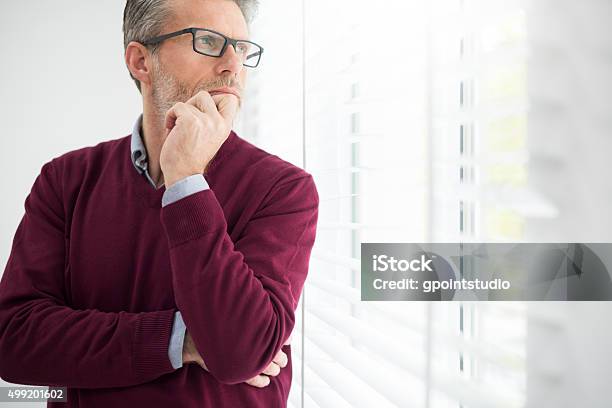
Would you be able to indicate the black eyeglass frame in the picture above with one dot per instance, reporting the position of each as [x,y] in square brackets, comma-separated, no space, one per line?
[193,30]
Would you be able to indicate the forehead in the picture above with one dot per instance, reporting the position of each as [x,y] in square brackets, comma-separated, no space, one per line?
[223,16]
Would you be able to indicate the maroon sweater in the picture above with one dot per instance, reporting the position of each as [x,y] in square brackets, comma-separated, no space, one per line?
[98,268]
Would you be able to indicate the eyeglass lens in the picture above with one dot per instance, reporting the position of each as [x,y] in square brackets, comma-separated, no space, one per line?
[210,43]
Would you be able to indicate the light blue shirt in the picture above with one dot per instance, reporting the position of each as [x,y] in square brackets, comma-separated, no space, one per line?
[181,189]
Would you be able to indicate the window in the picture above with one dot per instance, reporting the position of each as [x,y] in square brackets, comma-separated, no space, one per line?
[411,117]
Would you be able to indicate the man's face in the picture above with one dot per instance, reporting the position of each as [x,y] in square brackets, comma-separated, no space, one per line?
[178,72]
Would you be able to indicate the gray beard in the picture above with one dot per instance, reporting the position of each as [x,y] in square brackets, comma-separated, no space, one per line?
[167,90]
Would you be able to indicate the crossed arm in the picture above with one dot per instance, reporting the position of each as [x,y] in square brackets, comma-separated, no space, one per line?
[182,348]
[237,300]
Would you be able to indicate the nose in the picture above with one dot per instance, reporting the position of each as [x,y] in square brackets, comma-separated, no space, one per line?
[230,61]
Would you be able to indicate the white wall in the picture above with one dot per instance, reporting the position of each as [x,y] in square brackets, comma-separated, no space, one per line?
[63,85]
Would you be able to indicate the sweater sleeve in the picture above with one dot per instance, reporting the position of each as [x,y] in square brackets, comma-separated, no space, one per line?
[43,341]
[238,299]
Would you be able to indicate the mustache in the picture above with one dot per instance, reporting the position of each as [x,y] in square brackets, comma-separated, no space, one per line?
[230,82]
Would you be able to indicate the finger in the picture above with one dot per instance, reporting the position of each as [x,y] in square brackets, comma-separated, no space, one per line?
[288,341]
[272,369]
[259,381]
[203,102]
[202,364]
[177,110]
[227,105]
[281,358]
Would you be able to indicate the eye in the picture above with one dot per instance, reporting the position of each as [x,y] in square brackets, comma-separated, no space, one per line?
[209,41]
[243,48]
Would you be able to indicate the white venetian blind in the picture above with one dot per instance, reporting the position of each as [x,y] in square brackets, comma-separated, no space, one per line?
[411,117]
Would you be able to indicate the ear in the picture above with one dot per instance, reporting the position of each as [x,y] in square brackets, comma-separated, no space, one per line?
[137,60]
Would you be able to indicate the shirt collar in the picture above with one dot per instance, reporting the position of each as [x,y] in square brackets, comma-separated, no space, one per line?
[139,152]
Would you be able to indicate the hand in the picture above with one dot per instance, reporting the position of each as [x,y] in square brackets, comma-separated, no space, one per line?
[191,353]
[273,369]
[279,361]
[196,129]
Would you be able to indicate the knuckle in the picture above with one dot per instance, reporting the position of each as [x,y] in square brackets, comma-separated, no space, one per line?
[178,106]
[259,381]
[202,95]
[273,369]
[199,97]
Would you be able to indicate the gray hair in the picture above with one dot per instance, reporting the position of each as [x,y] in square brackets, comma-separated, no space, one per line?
[144,19]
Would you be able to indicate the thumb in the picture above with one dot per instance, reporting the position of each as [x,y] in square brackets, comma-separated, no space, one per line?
[202,364]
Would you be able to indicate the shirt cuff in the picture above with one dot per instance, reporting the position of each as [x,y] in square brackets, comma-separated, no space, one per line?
[177,337]
[183,188]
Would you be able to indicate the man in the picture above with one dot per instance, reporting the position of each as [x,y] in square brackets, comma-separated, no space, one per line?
[164,268]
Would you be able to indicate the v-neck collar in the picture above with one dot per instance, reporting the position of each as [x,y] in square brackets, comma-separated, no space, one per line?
[147,192]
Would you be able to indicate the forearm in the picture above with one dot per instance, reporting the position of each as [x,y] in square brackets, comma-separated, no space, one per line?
[239,314]
[46,344]
[43,341]
[238,320]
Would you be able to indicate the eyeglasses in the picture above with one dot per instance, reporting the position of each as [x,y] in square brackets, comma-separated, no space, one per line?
[213,44]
